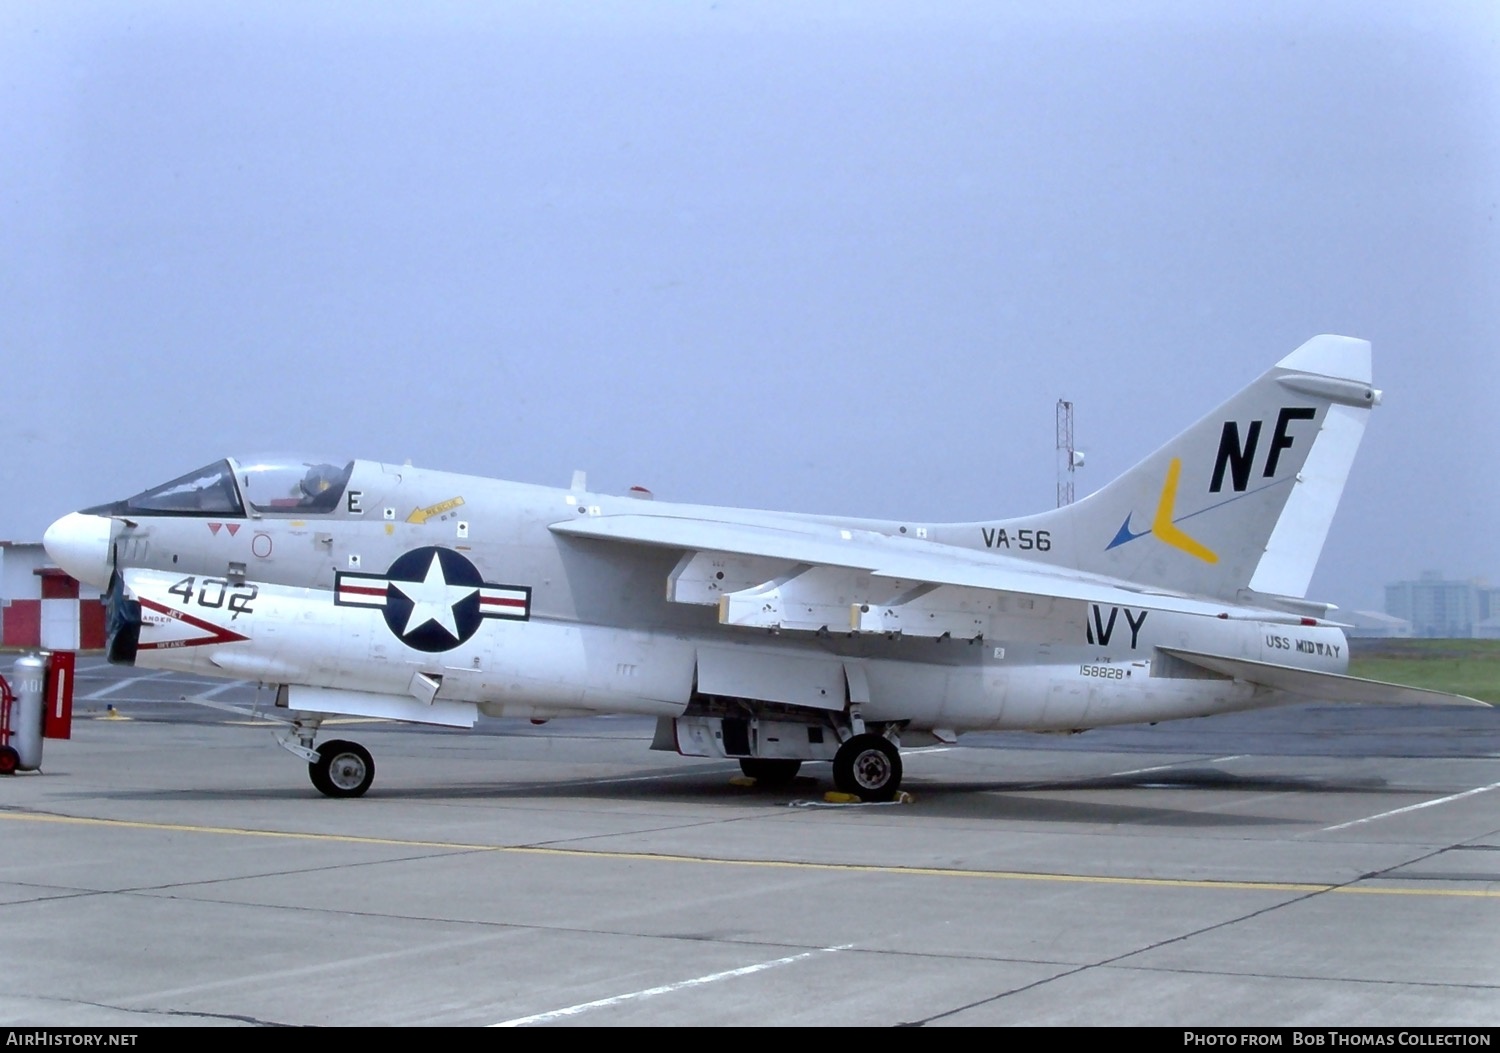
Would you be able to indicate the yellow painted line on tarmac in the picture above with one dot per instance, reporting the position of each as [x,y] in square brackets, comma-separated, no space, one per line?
[772,864]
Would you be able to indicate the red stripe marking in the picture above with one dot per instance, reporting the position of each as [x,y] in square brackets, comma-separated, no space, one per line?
[219,633]
[364,590]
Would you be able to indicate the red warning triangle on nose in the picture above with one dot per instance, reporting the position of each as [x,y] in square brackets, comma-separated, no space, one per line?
[215,528]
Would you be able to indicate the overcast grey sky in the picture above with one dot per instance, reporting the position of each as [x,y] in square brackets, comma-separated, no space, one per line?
[834,257]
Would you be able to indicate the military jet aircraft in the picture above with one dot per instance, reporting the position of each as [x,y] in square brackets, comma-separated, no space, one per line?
[377,590]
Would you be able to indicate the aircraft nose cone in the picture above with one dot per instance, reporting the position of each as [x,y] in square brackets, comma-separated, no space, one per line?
[79,544]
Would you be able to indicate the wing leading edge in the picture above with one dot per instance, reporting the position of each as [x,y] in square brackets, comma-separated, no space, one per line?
[816,576]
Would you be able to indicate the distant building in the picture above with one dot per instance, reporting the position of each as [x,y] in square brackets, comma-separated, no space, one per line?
[1373,625]
[43,606]
[1436,607]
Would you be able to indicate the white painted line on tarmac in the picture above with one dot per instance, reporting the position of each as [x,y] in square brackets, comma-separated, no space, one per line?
[1169,767]
[109,689]
[652,992]
[1413,807]
[1141,771]
[320,968]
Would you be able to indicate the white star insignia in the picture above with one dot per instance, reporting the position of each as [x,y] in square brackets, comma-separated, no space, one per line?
[433,599]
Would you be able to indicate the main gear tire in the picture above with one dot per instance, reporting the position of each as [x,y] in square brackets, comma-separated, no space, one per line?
[869,767]
[770,771]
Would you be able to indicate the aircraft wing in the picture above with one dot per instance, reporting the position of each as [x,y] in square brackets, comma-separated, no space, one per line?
[1320,687]
[815,575]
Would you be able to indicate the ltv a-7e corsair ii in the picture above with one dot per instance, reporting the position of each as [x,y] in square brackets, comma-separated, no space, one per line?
[377,590]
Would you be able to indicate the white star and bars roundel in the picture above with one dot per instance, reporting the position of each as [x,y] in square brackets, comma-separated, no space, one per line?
[433,599]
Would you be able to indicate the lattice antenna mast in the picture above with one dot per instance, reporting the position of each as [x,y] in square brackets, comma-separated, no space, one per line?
[1068,458]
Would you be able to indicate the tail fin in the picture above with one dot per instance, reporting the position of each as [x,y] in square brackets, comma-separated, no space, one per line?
[1240,501]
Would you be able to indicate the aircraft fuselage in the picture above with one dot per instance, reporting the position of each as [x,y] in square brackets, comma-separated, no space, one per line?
[591,628]
[361,588]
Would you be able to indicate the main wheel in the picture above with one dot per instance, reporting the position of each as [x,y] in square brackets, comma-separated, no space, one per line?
[10,760]
[343,769]
[869,767]
[770,772]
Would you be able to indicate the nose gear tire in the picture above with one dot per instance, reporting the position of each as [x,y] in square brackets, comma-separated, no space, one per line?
[343,769]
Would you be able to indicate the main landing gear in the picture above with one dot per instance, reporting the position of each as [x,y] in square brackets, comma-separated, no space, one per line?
[767,771]
[868,766]
[866,756]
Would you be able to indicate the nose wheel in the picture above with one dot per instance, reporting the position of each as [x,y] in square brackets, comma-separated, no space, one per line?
[869,767]
[343,769]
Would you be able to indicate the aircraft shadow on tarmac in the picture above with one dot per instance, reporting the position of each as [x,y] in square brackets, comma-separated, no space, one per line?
[710,786]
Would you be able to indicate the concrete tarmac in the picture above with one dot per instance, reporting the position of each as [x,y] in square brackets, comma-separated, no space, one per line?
[1320,866]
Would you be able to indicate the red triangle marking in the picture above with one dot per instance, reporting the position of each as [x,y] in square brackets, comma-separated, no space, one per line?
[217,634]
[215,528]
[233,528]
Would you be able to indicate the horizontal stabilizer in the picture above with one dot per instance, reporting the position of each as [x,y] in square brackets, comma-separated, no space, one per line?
[1320,687]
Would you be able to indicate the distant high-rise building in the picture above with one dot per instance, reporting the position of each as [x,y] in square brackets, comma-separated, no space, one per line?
[1436,607]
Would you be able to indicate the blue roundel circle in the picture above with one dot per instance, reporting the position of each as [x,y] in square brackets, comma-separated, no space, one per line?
[432,602]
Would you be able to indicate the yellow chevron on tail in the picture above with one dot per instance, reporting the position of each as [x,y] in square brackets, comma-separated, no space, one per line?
[1163,527]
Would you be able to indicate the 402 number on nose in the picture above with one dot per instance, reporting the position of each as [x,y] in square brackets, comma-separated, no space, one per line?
[216,593]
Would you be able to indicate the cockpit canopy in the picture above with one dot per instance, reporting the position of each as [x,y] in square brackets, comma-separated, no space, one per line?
[301,486]
[290,485]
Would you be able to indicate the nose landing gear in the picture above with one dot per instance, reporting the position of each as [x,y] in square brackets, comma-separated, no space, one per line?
[343,769]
